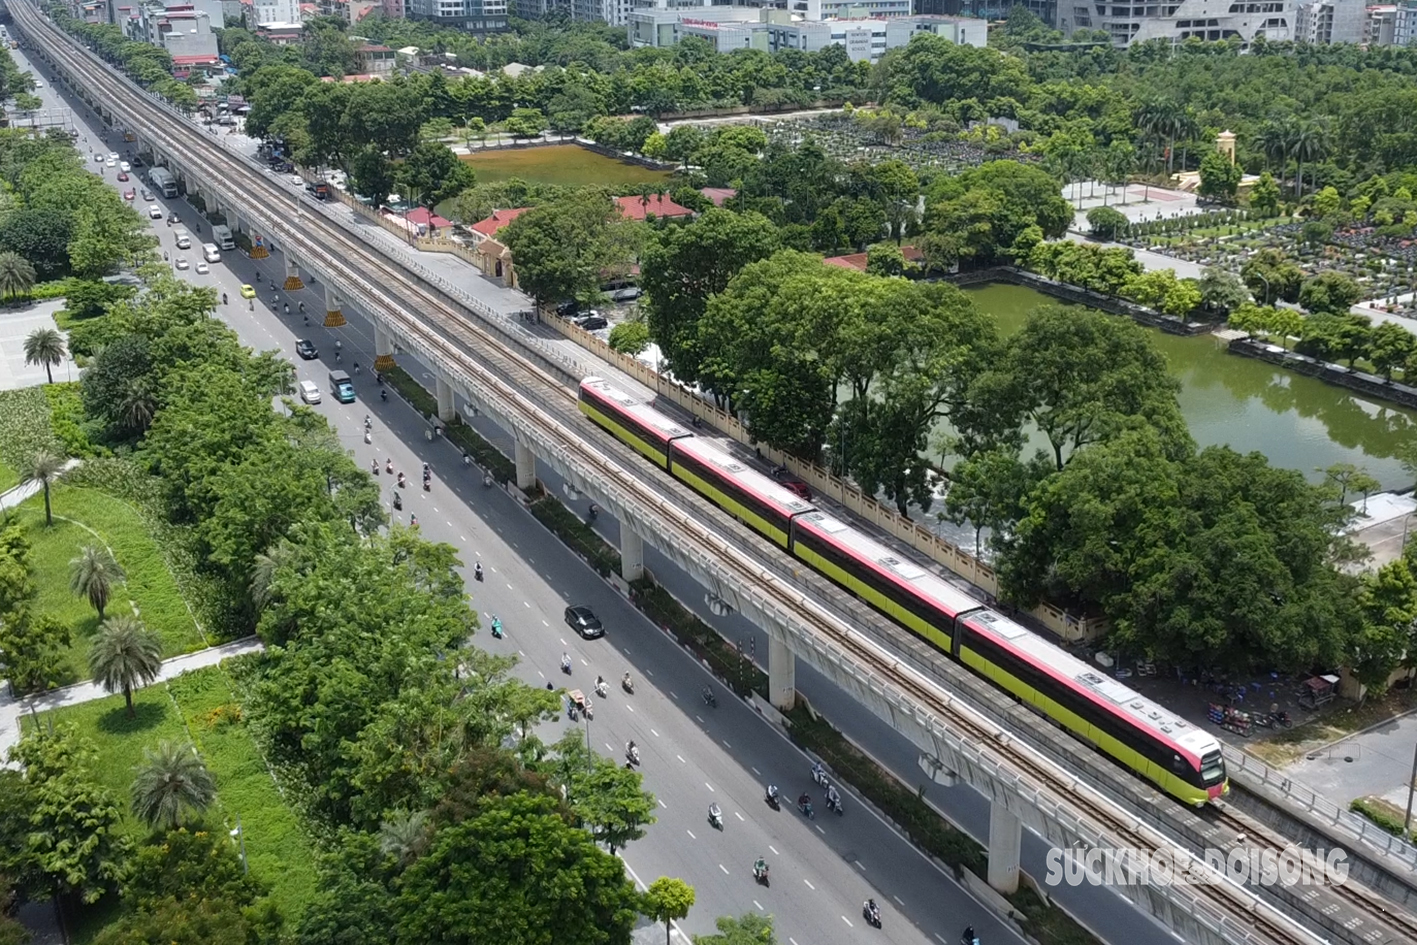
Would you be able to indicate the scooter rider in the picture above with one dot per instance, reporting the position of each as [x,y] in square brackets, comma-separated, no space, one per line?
[715,815]
[969,938]
[477,571]
[760,868]
[833,798]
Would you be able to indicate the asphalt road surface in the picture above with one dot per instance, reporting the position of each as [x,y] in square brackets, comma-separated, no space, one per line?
[823,869]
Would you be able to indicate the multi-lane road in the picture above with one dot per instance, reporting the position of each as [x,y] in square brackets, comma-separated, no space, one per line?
[693,755]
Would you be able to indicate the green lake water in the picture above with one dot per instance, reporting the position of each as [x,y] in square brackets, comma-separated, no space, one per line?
[1298,422]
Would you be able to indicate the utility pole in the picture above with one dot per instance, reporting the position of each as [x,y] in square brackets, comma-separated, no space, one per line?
[1411,787]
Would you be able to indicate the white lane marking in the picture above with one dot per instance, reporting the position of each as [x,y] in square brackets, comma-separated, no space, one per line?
[462,538]
[666,807]
[545,624]
[520,653]
[774,850]
[526,603]
[724,868]
[509,587]
[941,938]
[609,747]
[809,884]
[792,940]
[710,787]
[563,641]
[681,759]
[630,707]
[726,745]
[673,694]
[654,733]
[450,524]
[738,815]
[758,904]
[691,835]
[848,922]
[492,569]
[701,719]
[820,830]
[478,553]
[647,672]
[898,900]
[541,674]
[583,662]
[858,863]
[757,772]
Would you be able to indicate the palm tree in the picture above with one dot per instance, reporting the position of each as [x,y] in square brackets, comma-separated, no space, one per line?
[16,274]
[1187,129]
[170,782]
[138,405]
[1274,142]
[43,345]
[262,593]
[44,468]
[1308,142]
[92,574]
[404,835]
[125,655]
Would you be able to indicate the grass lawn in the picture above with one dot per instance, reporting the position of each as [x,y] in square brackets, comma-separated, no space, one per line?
[199,706]
[566,165]
[8,478]
[85,517]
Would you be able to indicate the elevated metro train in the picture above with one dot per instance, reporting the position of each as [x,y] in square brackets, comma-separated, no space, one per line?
[1181,759]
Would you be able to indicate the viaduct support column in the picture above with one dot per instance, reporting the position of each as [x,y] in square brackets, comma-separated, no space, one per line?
[258,246]
[444,391]
[632,554]
[1005,832]
[334,318]
[292,275]
[526,466]
[782,674]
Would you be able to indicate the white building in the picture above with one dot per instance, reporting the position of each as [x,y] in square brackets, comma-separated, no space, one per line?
[474,15]
[1178,20]
[730,28]
[184,31]
[1330,21]
[277,12]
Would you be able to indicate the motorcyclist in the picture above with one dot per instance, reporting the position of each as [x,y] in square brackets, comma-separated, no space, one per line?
[819,774]
[223,298]
[401,480]
[873,910]
[477,571]
[398,502]
[600,687]
[625,681]
[496,626]
[632,751]
[969,938]
[565,662]
[384,395]
[413,521]
[772,793]
[760,868]
[833,798]
[715,815]
[805,802]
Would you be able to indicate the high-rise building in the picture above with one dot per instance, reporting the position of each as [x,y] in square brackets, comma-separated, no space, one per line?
[1330,21]
[271,12]
[1136,21]
[478,16]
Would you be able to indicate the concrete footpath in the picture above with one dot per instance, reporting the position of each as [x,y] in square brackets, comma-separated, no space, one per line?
[12,709]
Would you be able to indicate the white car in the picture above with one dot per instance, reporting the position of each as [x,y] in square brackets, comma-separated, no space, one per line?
[181,262]
[310,392]
[110,163]
[113,155]
[297,180]
[124,166]
[203,268]
[98,158]
[154,212]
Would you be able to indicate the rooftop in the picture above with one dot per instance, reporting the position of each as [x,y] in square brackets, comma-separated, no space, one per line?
[425,217]
[497,220]
[637,208]
[857,261]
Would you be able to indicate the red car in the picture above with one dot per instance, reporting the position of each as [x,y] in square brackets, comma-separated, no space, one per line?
[122,176]
[128,194]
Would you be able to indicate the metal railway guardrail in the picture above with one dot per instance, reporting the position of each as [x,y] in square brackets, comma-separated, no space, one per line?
[1241,915]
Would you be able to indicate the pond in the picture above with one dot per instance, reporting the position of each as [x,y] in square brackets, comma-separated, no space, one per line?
[1298,422]
[565,165]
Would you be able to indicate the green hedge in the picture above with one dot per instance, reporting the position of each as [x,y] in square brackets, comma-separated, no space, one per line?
[457,432]
[66,419]
[1384,815]
[737,670]
[576,535]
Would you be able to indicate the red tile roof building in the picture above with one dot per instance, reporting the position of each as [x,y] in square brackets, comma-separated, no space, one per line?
[638,208]
[857,261]
[483,229]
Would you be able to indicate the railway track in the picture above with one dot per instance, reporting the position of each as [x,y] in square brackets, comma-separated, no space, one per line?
[1246,918]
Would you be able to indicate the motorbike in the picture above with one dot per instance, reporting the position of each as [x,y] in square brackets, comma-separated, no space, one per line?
[389,466]
[969,938]
[805,807]
[487,479]
[398,502]
[566,665]
[627,684]
[374,466]
[601,689]
[427,485]
[402,481]
[384,395]
[819,776]
[760,873]
[715,817]
[632,754]
[834,804]
[496,628]
[771,796]
[872,914]
[710,699]
[477,572]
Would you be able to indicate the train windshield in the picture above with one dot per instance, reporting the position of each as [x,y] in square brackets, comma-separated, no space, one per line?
[1212,768]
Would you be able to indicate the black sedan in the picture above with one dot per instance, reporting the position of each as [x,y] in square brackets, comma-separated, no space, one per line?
[306,349]
[584,621]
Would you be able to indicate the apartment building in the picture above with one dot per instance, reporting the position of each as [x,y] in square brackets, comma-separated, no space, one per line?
[478,16]
[1330,21]
[1136,21]
[769,29]
[183,30]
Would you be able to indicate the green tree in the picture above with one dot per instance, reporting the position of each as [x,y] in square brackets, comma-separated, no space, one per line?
[667,900]
[1080,377]
[605,797]
[1106,223]
[1327,201]
[987,490]
[125,654]
[525,123]
[518,867]
[1222,291]
[752,928]
[1271,277]
[629,337]
[1388,603]
[92,575]
[572,109]
[885,259]
[405,835]
[1161,290]
[45,346]
[372,175]
[16,274]
[1220,177]
[75,840]
[171,782]
[35,648]
[432,173]
[1389,347]
[44,468]
[1264,196]
[1330,292]
[563,247]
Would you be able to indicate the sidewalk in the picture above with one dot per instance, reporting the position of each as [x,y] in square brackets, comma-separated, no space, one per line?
[16,496]
[12,709]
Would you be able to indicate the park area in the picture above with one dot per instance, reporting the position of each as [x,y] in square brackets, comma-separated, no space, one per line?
[562,165]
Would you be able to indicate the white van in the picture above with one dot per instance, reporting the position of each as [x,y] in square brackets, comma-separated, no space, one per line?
[184,239]
[210,253]
[310,392]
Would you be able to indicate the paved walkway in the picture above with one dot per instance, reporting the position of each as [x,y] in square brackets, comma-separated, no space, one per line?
[16,324]
[12,708]
[19,494]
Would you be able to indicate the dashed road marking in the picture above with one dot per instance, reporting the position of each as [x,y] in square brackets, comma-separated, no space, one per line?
[724,868]
[673,694]
[662,804]
[654,733]
[759,905]
[898,900]
[774,850]
[545,624]
[848,922]
[630,707]
[820,830]
[691,835]
[738,815]
[681,759]
[757,772]
[583,662]
[526,603]
[809,884]
[858,864]
[726,745]
[509,587]
[701,719]
[710,787]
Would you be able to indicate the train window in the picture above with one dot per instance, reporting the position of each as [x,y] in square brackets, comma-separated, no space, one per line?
[1178,763]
